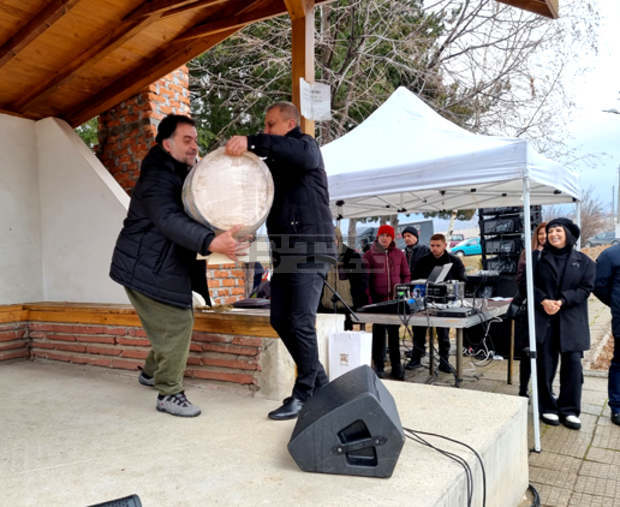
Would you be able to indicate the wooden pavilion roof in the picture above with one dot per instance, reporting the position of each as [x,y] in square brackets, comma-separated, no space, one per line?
[73,59]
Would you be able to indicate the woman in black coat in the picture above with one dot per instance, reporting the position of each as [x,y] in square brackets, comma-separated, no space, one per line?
[563,280]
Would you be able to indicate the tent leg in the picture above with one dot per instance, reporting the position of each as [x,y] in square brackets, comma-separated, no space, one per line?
[529,278]
[578,220]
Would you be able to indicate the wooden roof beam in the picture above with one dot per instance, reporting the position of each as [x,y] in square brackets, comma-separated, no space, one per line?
[176,54]
[225,23]
[548,8]
[94,53]
[129,27]
[53,11]
[163,8]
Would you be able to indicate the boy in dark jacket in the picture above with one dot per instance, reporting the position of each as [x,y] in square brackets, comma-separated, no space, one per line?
[387,266]
[438,256]
[414,251]
[155,260]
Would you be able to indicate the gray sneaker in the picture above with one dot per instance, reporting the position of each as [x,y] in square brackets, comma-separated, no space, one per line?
[145,380]
[177,404]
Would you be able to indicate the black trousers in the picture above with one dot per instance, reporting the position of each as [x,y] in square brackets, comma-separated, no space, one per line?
[419,342]
[294,301]
[378,347]
[571,376]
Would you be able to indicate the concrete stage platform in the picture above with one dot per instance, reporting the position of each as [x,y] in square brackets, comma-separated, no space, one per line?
[78,435]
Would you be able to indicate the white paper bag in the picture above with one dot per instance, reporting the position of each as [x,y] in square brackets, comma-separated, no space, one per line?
[348,350]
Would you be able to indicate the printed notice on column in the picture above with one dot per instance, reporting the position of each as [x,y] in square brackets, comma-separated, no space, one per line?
[315,100]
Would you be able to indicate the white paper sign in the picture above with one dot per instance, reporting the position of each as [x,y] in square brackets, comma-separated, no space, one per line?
[315,100]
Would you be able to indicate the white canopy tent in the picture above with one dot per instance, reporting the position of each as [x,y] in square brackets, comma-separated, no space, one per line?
[407,158]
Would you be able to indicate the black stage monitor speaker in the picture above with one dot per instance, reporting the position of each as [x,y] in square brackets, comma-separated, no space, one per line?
[351,427]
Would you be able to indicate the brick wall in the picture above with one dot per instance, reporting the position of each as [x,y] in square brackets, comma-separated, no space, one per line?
[127,131]
[223,357]
[14,341]
[226,283]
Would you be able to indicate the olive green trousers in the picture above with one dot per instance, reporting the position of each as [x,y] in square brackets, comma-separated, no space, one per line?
[169,329]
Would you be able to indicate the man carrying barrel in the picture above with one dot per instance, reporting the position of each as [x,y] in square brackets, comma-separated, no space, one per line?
[155,260]
[301,234]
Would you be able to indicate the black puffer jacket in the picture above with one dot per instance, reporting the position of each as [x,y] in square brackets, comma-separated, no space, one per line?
[155,253]
[300,221]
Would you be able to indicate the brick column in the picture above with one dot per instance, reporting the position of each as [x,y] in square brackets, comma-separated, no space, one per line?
[226,283]
[127,131]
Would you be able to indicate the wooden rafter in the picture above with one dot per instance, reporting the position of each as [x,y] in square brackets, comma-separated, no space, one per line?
[296,8]
[225,23]
[131,25]
[548,8]
[52,12]
[167,7]
[165,61]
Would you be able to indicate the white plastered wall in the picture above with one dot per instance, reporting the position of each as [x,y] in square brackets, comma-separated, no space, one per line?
[82,209]
[60,214]
[20,226]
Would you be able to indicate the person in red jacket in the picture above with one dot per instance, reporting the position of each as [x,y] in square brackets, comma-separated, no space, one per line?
[386,266]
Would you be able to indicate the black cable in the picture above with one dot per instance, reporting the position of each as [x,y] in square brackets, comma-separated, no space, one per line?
[536,501]
[452,456]
[413,435]
[484,477]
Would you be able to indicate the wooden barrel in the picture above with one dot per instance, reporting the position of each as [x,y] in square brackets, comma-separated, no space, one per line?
[222,191]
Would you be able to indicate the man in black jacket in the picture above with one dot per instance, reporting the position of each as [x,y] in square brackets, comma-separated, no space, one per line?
[438,256]
[607,289]
[301,234]
[414,251]
[155,260]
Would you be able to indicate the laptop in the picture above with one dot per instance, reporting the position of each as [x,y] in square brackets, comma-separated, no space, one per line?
[437,275]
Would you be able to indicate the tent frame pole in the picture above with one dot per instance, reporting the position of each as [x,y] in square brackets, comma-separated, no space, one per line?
[529,279]
[578,219]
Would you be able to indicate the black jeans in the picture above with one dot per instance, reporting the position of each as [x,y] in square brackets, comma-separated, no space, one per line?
[571,376]
[419,342]
[614,378]
[294,301]
[378,347]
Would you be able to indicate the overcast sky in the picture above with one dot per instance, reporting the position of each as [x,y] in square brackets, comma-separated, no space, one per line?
[593,131]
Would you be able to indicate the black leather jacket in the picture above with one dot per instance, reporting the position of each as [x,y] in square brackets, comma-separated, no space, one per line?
[155,253]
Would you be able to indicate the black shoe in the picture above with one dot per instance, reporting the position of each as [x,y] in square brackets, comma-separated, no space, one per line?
[413,364]
[289,410]
[380,373]
[550,418]
[571,421]
[145,380]
[445,367]
[399,375]
[615,418]
[409,353]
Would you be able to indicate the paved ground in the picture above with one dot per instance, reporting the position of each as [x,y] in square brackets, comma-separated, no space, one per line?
[576,468]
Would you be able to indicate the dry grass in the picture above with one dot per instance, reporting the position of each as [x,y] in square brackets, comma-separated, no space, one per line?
[472,262]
